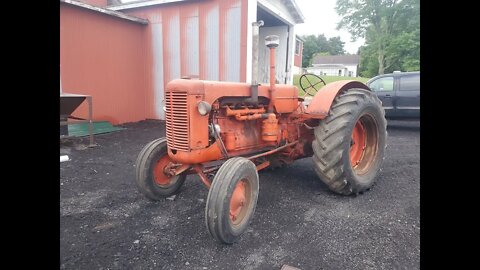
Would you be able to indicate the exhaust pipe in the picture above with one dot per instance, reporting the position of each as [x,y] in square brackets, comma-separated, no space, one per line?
[254,85]
[272,42]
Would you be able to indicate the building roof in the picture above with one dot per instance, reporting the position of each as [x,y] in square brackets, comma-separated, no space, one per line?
[296,12]
[290,4]
[322,66]
[142,3]
[105,11]
[336,59]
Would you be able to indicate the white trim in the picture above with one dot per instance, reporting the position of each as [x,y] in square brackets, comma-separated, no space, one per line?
[299,16]
[142,4]
[251,18]
[291,54]
[105,11]
[275,12]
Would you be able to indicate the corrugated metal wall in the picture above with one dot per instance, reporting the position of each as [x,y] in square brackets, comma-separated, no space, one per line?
[105,57]
[205,40]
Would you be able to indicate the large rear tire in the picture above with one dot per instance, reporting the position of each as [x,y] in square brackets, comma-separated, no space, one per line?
[149,171]
[232,200]
[349,145]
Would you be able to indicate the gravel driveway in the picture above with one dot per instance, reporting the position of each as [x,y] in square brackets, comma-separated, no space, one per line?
[106,224]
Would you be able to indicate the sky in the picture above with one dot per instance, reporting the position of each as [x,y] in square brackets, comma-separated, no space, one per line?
[321,18]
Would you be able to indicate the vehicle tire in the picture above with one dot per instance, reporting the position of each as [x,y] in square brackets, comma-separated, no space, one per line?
[150,179]
[349,144]
[232,199]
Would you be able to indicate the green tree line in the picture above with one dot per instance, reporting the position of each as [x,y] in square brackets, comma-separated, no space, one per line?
[319,44]
[391,29]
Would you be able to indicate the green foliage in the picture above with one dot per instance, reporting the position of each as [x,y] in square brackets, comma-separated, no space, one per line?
[320,45]
[391,29]
[335,46]
[368,66]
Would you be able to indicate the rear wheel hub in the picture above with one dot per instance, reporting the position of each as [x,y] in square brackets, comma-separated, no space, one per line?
[364,144]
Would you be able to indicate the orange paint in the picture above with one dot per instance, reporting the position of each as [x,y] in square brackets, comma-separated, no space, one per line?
[159,171]
[210,153]
[357,147]
[238,201]
[271,89]
[199,170]
[322,101]
[245,111]
[270,128]
[229,139]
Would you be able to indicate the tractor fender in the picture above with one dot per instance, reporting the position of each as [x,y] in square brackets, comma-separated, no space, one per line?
[322,101]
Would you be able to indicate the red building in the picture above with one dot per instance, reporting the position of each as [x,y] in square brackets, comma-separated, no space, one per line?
[123,54]
[297,63]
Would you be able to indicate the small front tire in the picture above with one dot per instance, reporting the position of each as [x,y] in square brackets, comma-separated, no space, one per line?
[150,177]
[232,200]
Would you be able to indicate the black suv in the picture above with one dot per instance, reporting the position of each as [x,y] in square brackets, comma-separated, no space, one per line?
[399,93]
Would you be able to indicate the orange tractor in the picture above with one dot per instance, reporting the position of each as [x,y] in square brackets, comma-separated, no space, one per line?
[225,132]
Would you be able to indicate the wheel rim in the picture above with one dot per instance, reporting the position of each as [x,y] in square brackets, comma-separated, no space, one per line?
[159,176]
[240,202]
[364,144]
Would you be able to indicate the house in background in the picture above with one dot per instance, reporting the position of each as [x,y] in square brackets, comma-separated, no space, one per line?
[124,54]
[335,65]
[297,63]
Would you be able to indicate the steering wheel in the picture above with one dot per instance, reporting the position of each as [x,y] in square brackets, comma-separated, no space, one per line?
[306,83]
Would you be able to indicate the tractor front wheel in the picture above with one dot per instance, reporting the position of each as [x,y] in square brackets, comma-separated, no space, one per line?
[349,145]
[151,176]
[232,199]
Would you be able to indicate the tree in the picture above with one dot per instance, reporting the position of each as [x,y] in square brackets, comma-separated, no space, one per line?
[313,44]
[368,66]
[335,46]
[384,24]
[320,45]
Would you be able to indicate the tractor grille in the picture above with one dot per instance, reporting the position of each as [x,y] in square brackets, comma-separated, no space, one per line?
[177,120]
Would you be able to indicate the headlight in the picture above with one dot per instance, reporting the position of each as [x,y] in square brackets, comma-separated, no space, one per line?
[204,107]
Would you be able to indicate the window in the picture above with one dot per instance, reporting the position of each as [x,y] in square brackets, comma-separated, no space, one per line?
[297,47]
[339,72]
[382,84]
[410,82]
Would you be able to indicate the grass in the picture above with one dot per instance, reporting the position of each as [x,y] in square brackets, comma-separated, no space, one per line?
[327,79]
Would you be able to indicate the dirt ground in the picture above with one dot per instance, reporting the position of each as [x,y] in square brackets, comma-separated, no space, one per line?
[105,223]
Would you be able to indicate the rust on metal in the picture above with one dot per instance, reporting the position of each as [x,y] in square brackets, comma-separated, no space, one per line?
[231,112]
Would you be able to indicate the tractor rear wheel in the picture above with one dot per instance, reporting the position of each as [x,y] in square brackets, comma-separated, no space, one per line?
[232,199]
[349,145]
[151,179]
